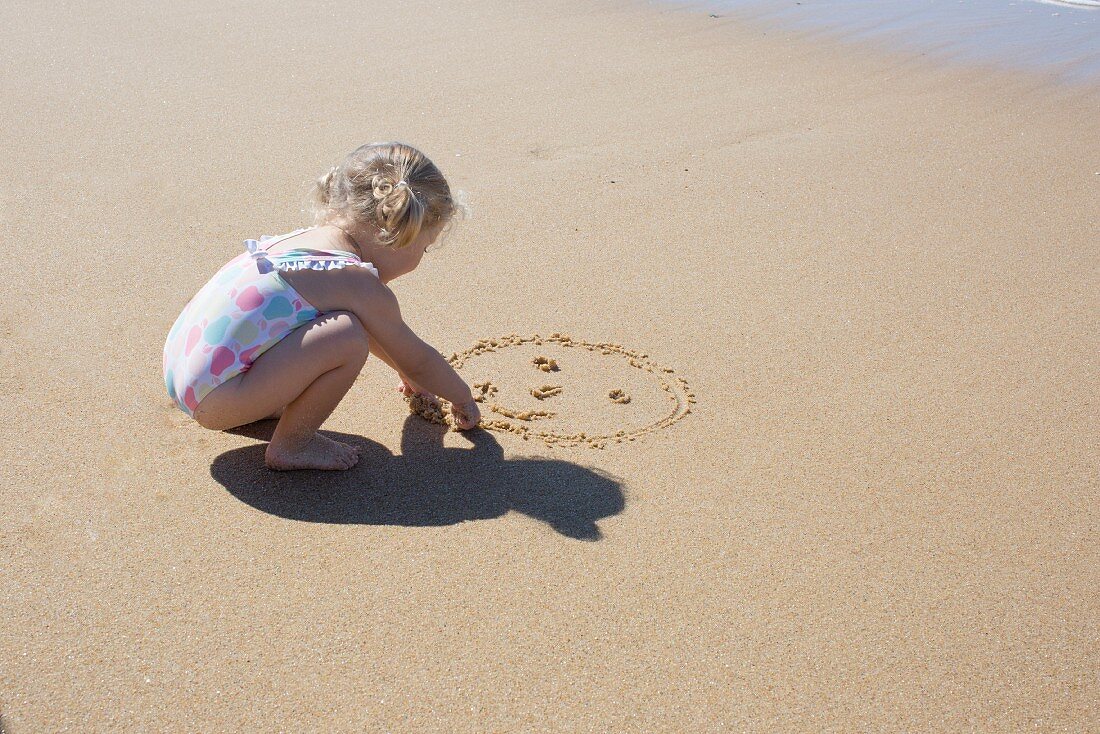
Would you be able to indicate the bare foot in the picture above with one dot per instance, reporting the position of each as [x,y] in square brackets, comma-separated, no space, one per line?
[320,453]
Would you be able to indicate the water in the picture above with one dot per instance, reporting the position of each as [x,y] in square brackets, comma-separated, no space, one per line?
[1061,38]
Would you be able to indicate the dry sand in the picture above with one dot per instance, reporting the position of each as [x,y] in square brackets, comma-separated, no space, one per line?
[879,276]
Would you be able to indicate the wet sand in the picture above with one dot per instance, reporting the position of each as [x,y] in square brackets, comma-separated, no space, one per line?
[879,278]
[1056,38]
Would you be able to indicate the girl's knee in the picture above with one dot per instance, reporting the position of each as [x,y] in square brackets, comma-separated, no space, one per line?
[211,420]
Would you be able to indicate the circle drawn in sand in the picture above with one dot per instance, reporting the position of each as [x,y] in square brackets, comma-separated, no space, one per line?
[644,398]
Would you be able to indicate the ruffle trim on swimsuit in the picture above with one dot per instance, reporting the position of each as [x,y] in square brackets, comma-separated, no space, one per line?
[307,262]
[325,265]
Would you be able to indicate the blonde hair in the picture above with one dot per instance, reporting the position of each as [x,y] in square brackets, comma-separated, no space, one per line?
[392,186]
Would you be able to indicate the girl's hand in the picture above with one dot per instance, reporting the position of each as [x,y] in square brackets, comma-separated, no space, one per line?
[466,415]
[408,388]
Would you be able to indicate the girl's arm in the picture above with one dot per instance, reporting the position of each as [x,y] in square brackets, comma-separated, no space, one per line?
[376,350]
[407,387]
[397,345]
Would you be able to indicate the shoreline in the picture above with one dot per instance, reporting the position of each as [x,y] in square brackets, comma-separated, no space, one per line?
[1027,37]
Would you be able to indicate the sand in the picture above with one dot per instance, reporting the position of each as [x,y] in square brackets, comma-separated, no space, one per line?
[877,275]
[619,396]
[546,391]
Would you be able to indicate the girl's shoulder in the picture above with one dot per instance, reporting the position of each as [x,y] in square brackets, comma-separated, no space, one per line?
[345,288]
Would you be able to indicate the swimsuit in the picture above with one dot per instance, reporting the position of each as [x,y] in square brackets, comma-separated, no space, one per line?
[244,310]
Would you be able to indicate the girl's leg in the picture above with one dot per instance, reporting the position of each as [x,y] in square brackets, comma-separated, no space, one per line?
[309,372]
[277,414]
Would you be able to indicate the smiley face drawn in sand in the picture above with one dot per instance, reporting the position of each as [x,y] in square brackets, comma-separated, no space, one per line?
[602,393]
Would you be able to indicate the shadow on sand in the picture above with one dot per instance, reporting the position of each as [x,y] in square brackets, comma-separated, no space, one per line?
[427,484]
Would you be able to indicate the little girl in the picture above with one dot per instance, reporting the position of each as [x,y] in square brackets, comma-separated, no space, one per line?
[283,329]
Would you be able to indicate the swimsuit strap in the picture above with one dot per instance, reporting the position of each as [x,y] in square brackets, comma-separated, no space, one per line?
[269,240]
[311,253]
